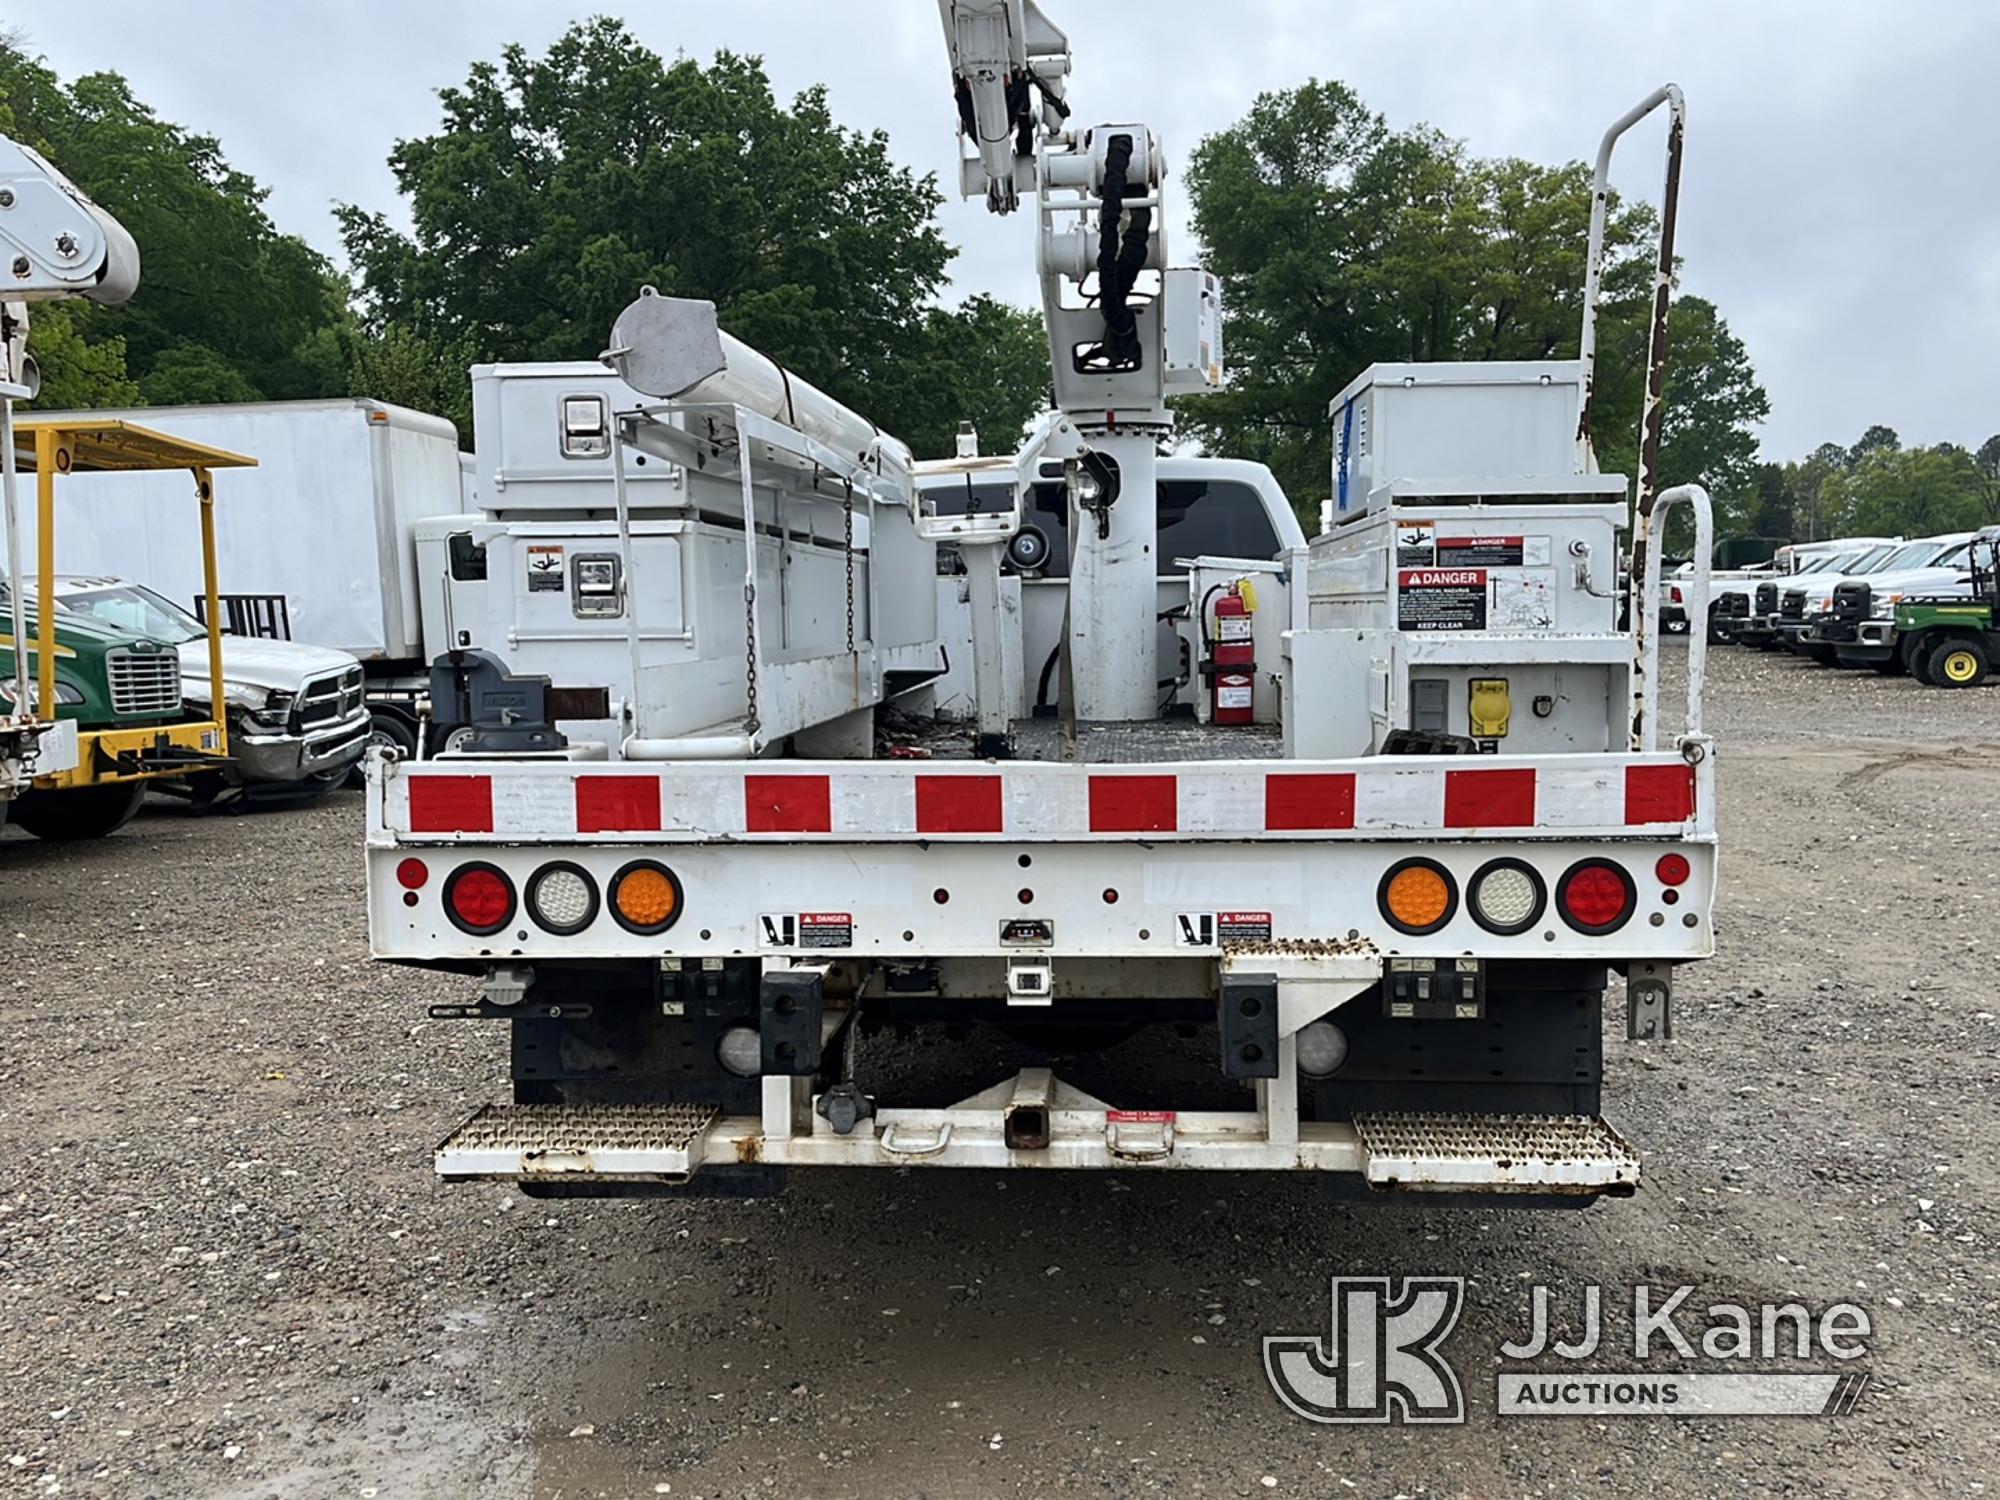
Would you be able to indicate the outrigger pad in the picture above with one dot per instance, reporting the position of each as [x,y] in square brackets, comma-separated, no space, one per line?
[1249,1025]
[789,1006]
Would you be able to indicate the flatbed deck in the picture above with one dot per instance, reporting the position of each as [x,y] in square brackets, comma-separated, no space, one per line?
[1155,741]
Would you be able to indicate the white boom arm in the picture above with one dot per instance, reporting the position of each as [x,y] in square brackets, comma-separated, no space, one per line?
[1004,53]
[54,243]
[1101,254]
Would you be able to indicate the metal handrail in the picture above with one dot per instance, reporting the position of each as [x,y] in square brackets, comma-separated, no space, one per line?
[1645,588]
[1663,270]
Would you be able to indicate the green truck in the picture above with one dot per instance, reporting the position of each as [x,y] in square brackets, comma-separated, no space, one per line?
[121,691]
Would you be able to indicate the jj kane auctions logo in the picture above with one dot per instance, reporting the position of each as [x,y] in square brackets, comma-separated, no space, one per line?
[1382,1358]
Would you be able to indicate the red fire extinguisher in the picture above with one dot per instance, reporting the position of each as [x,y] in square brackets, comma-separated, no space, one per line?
[1232,659]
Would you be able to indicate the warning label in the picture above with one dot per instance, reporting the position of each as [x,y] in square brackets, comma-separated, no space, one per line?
[1441,599]
[807,929]
[1243,926]
[1523,601]
[1480,551]
[826,929]
[1415,544]
[545,569]
[1205,929]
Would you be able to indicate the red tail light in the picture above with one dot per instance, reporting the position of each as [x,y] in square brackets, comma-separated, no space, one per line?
[411,874]
[1673,869]
[1596,896]
[479,899]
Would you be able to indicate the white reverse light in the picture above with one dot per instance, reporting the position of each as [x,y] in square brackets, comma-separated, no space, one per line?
[1322,1049]
[562,899]
[1506,896]
[741,1050]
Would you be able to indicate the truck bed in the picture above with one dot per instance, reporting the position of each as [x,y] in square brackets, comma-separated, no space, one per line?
[1154,741]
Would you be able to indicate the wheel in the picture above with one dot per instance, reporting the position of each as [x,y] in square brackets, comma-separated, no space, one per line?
[1677,627]
[88,812]
[1959,662]
[391,732]
[1917,657]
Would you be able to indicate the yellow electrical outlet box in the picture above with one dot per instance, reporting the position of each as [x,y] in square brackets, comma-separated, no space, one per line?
[1489,707]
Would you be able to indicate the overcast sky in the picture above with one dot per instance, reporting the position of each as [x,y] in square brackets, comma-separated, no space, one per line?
[1839,201]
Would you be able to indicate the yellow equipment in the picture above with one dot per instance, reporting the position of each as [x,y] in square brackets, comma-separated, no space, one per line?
[79,446]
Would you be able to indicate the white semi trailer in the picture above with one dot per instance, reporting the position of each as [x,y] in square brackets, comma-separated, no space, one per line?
[1394,915]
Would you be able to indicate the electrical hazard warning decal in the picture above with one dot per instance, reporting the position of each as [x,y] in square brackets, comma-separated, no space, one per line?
[806,929]
[1441,599]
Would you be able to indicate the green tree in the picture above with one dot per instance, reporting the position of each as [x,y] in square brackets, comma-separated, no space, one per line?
[1877,439]
[557,185]
[1987,462]
[1808,481]
[1774,501]
[1340,243]
[227,307]
[77,372]
[1712,401]
[427,373]
[1915,491]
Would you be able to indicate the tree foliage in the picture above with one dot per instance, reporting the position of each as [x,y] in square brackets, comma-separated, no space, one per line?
[1341,243]
[558,185]
[227,308]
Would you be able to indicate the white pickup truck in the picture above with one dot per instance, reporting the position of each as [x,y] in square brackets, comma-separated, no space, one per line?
[1806,613]
[297,716]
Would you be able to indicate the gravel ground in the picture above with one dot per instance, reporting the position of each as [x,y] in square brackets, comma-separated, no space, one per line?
[225,1268]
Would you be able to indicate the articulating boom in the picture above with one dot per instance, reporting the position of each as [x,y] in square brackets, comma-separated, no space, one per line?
[1124,331]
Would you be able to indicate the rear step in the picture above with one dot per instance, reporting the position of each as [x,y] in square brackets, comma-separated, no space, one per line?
[1495,1154]
[1058,1126]
[602,1142]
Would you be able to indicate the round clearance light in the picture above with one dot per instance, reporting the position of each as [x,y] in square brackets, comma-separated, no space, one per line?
[645,897]
[412,874]
[740,1050]
[562,898]
[1507,897]
[479,899]
[1418,896]
[1673,869]
[1322,1049]
[1596,896]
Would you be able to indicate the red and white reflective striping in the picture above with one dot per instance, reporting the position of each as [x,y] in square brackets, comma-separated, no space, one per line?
[865,801]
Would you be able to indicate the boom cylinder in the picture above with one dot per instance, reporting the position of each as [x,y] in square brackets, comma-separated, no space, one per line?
[674,348]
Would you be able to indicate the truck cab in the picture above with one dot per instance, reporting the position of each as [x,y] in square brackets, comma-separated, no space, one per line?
[108,677]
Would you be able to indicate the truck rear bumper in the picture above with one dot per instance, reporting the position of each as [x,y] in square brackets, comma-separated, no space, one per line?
[1036,1120]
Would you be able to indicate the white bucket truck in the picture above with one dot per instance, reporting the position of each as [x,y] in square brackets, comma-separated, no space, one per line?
[1393,918]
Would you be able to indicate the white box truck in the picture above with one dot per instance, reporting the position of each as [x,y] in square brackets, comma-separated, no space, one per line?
[318,544]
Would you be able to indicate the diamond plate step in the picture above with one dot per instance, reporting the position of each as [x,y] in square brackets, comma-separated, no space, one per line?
[608,1142]
[1495,1153]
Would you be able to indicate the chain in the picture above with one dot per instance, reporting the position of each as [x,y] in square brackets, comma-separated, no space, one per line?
[750,652]
[847,518]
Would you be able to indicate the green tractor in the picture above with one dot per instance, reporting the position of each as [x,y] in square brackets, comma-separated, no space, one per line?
[1951,641]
